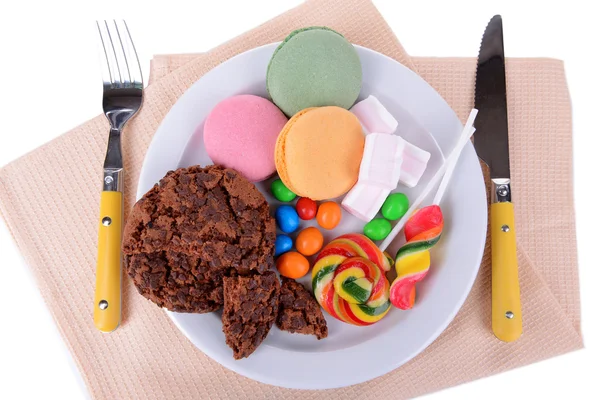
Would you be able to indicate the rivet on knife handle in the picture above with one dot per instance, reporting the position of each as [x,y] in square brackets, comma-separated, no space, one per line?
[107,300]
[506,303]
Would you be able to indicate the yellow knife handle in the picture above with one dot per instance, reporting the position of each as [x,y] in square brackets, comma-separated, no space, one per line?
[107,300]
[507,322]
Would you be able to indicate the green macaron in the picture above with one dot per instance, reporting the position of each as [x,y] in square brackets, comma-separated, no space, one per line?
[314,67]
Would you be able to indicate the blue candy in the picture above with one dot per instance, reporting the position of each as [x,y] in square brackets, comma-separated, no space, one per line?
[283,244]
[287,218]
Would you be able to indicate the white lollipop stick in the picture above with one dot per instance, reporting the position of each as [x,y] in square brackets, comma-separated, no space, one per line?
[444,171]
[451,162]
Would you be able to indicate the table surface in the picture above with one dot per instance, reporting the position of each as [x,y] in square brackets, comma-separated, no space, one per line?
[53,52]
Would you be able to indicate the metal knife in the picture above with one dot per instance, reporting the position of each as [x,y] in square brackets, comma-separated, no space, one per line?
[492,145]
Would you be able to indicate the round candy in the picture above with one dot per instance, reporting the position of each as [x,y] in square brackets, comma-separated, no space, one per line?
[309,241]
[292,265]
[306,208]
[283,244]
[378,229]
[329,215]
[287,218]
[281,192]
[395,206]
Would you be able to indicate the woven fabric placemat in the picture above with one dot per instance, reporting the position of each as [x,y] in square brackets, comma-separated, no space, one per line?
[53,223]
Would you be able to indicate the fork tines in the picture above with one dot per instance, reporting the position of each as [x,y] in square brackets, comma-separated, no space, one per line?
[121,67]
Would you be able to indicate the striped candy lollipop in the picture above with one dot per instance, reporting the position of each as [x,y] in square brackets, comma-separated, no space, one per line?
[349,281]
[422,231]
[423,228]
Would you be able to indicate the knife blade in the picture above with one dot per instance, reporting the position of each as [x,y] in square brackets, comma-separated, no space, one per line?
[492,146]
[490,99]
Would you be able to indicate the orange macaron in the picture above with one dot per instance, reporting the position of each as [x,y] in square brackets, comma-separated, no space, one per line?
[318,152]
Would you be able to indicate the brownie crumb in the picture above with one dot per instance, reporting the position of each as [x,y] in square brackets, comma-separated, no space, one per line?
[249,311]
[299,311]
[193,228]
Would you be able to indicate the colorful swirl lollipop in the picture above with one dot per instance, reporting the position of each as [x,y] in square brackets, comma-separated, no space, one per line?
[423,228]
[349,281]
[422,232]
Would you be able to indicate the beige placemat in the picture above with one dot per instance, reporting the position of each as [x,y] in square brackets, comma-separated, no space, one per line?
[53,222]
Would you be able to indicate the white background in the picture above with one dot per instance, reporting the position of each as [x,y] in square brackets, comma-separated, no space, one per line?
[51,83]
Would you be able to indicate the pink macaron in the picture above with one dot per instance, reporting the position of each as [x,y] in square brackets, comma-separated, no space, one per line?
[241,132]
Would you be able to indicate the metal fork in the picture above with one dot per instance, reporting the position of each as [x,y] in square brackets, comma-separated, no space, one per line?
[122,98]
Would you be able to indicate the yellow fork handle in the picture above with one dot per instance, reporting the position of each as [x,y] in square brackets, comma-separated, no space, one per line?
[107,300]
[507,322]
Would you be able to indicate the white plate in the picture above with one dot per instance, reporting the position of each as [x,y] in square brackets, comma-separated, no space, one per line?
[350,354]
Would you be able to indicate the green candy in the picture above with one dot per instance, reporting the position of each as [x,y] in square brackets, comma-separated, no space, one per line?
[281,192]
[378,229]
[395,206]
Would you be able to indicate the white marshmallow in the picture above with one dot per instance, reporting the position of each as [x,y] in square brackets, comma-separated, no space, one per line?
[387,160]
[365,199]
[382,160]
[414,164]
[373,116]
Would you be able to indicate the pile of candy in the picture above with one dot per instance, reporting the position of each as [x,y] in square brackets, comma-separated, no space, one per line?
[394,207]
[294,264]
[323,145]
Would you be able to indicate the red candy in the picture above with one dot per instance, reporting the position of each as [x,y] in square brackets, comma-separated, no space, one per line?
[306,208]
[423,220]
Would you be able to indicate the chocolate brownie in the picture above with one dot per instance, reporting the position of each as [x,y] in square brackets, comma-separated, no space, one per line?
[249,311]
[190,230]
[299,311]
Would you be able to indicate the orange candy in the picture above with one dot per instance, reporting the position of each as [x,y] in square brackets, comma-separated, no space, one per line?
[292,265]
[329,215]
[309,241]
